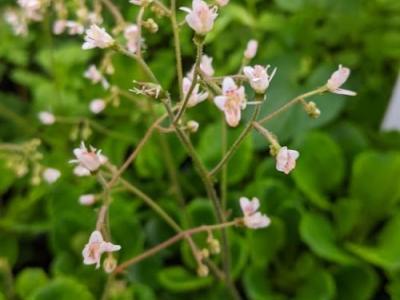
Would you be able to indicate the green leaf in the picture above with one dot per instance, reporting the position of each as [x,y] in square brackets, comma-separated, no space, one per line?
[29,280]
[256,284]
[320,168]
[62,289]
[319,286]
[9,248]
[177,279]
[290,5]
[317,232]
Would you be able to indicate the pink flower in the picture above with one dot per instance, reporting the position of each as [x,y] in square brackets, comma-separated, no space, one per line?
[251,50]
[337,79]
[97,37]
[81,171]
[196,97]
[206,65]
[97,106]
[47,118]
[95,76]
[59,26]
[87,200]
[95,248]
[90,160]
[259,78]
[201,17]
[252,218]
[131,34]
[75,28]
[286,160]
[51,175]
[231,102]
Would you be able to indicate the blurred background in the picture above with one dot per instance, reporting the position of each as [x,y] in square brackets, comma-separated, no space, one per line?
[335,219]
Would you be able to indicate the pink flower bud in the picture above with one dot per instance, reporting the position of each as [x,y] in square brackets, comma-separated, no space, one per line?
[87,200]
[251,50]
[47,118]
[51,175]
[97,106]
[286,160]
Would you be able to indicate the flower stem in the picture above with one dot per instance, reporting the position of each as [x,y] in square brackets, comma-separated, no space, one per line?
[181,235]
[177,46]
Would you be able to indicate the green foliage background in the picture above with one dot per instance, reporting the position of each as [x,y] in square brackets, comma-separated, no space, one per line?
[335,220]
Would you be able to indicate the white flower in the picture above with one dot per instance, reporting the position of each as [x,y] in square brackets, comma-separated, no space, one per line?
[16,21]
[97,37]
[251,50]
[95,248]
[47,118]
[59,26]
[91,160]
[206,65]
[252,218]
[286,160]
[196,97]
[81,171]
[87,200]
[75,28]
[51,175]
[97,106]
[337,79]
[95,76]
[132,36]
[231,102]
[32,9]
[222,2]
[258,77]
[201,17]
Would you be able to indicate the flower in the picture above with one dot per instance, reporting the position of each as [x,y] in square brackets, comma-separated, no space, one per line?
[51,175]
[47,118]
[192,126]
[201,17]
[59,26]
[196,97]
[222,2]
[16,21]
[231,102]
[97,106]
[286,160]
[132,35]
[337,79]
[97,37]
[206,65]
[251,50]
[95,248]
[87,200]
[81,171]
[259,78]
[252,218]
[75,28]
[90,160]
[95,76]
[32,9]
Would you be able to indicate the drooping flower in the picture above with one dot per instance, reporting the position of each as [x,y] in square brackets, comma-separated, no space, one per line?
[286,160]
[90,160]
[97,37]
[258,77]
[95,248]
[132,36]
[252,218]
[251,50]
[51,175]
[232,101]
[87,200]
[46,118]
[201,17]
[337,79]
[95,76]
[97,106]
[196,97]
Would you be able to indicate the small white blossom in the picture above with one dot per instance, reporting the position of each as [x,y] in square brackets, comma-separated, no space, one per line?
[286,160]
[232,102]
[222,3]
[201,17]
[16,21]
[337,79]
[51,175]
[132,36]
[206,65]
[75,28]
[252,218]
[259,78]
[87,200]
[81,171]
[95,76]
[251,50]
[91,160]
[47,118]
[97,106]
[95,248]
[97,37]
[59,26]
[196,97]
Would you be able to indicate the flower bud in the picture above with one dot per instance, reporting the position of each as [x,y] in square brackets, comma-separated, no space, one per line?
[202,270]
[312,109]
[109,264]
[192,126]
[214,245]
[150,25]
[251,50]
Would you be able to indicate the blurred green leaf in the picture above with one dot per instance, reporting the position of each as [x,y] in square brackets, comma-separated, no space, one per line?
[29,280]
[178,279]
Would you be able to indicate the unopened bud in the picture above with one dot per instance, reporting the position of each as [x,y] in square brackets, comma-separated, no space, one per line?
[202,270]
[312,110]
[150,25]
[214,245]
[192,126]
[274,149]
[110,263]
